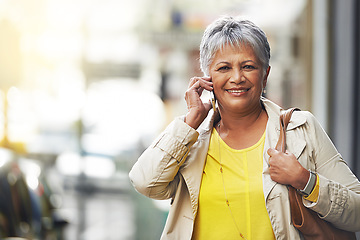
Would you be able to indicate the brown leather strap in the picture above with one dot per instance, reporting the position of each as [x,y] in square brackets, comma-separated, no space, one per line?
[284,121]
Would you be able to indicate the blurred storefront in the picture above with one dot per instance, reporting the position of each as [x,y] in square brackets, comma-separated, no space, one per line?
[344,79]
[87,85]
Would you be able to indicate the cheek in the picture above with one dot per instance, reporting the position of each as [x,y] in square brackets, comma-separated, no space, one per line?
[217,88]
[218,80]
[257,79]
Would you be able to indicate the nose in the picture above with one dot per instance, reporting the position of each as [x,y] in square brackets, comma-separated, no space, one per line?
[237,76]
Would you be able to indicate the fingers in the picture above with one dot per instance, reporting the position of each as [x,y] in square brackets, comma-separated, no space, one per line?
[276,166]
[283,167]
[276,157]
[201,83]
[275,161]
[196,86]
[196,79]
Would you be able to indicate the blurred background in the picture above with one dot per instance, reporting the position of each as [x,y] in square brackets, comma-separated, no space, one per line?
[86,85]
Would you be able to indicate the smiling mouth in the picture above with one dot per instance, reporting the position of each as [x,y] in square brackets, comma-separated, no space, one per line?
[237,91]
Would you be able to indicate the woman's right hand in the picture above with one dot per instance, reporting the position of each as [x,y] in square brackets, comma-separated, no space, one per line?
[197,110]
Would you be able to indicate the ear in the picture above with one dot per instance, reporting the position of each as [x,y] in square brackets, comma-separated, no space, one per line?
[266,76]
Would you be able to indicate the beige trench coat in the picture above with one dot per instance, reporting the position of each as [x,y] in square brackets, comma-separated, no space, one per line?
[172,168]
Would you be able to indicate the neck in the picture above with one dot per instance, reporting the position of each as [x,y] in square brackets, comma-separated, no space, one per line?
[240,121]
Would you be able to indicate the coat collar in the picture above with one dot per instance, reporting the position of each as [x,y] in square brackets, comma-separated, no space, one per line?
[274,112]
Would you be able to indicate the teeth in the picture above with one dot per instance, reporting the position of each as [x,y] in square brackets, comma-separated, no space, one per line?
[236,91]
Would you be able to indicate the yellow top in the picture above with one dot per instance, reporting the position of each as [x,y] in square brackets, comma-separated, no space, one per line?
[314,195]
[242,185]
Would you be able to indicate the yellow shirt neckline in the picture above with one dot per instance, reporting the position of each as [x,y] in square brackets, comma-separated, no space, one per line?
[223,143]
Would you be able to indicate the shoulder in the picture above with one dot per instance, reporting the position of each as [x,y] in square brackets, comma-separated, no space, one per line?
[307,118]
[304,119]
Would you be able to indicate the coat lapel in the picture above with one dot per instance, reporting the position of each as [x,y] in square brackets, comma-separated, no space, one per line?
[193,167]
[294,144]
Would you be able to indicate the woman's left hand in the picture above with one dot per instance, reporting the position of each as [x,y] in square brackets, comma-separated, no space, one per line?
[285,169]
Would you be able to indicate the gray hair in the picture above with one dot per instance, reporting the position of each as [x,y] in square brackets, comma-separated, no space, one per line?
[237,33]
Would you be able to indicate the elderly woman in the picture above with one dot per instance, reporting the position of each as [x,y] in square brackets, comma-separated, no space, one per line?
[219,166]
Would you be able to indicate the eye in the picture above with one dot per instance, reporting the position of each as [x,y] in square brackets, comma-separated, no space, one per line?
[249,67]
[223,68]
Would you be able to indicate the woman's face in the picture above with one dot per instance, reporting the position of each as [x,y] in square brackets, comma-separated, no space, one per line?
[238,79]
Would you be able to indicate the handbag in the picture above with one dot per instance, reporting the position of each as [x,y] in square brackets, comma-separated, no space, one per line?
[304,219]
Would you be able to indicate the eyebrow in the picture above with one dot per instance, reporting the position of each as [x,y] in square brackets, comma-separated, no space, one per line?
[221,63]
[225,62]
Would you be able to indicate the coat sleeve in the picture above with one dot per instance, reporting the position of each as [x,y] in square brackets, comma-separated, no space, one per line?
[155,172]
[339,195]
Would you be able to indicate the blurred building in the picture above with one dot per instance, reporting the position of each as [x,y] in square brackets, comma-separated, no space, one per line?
[344,78]
[335,73]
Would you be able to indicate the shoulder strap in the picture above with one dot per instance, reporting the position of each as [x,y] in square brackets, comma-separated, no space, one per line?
[284,121]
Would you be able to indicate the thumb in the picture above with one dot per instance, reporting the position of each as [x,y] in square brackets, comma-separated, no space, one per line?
[271,151]
[208,106]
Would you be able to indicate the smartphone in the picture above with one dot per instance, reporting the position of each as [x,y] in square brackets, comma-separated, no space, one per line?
[213,100]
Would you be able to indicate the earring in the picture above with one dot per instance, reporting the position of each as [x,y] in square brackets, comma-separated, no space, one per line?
[264,91]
